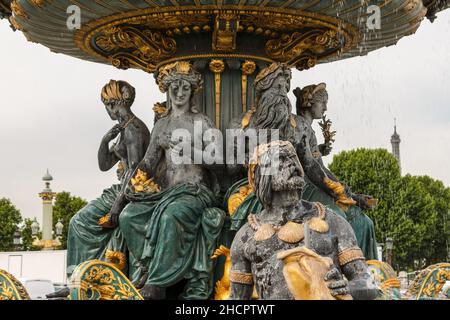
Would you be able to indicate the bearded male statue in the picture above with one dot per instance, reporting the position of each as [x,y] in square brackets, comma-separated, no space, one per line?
[294,248]
[273,111]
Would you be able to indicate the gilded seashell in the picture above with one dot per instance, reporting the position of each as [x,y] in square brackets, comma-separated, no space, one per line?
[264,232]
[291,232]
[318,225]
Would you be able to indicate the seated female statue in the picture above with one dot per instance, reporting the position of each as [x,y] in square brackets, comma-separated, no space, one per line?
[171,227]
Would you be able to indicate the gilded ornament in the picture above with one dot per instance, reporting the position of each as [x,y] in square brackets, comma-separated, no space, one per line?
[104,220]
[349,255]
[100,280]
[342,201]
[226,23]
[429,282]
[15,24]
[304,272]
[318,225]
[222,289]
[291,232]
[142,184]
[129,46]
[18,10]
[224,35]
[116,258]
[217,67]
[11,288]
[266,71]
[160,109]
[264,232]
[302,49]
[247,118]
[47,197]
[248,68]
[293,121]
[179,67]
[241,277]
[37,3]
[235,200]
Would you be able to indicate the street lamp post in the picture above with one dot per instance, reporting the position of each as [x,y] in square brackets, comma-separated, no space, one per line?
[34,228]
[17,240]
[389,247]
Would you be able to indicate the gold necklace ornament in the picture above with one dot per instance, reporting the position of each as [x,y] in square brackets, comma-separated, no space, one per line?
[319,224]
[291,232]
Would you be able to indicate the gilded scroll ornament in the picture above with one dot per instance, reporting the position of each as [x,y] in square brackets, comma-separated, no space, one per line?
[129,46]
[99,280]
[227,25]
[429,282]
[302,49]
[11,288]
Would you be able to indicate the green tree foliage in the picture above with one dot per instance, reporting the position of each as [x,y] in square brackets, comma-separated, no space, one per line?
[9,219]
[413,210]
[66,206]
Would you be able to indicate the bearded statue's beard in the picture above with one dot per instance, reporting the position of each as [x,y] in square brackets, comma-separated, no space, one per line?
[273,112]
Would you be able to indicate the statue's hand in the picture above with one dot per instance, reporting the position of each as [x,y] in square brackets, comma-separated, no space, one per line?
[337,285]
[112,133]
[325,149]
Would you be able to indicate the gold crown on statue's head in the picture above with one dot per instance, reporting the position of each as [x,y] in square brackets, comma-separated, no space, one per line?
[178,70]
[275,66]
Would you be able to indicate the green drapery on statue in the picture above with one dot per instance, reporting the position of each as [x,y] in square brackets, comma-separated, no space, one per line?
[360,222]
[173,234]
[87,240]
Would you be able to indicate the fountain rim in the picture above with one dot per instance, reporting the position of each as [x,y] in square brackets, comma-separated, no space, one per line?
[83,36]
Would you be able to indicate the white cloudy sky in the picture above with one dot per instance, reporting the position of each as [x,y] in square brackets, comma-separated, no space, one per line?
[51,115]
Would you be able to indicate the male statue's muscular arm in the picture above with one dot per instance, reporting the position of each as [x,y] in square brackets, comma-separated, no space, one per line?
[353,264]
[241,278]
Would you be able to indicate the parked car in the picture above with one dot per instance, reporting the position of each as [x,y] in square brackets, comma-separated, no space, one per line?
[38,288]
